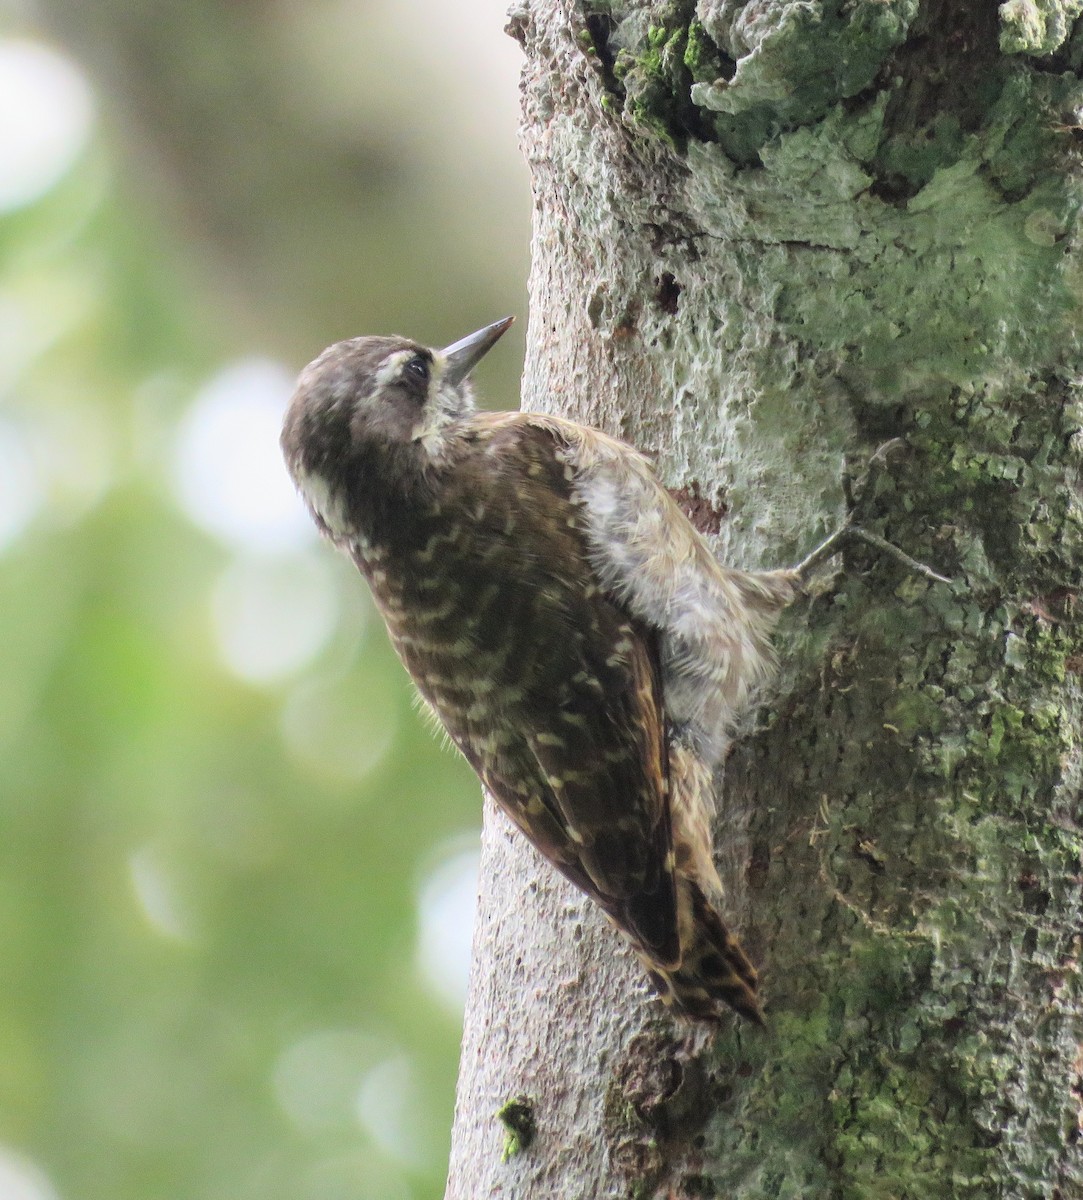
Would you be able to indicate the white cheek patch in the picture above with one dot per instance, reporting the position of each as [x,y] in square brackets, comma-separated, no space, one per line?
[439,365]
[322,501]
[445,403]
[433,410]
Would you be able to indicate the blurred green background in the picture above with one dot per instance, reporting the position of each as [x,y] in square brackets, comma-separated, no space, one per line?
[237,871]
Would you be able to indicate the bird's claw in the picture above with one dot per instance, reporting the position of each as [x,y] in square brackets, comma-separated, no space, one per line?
[850,532]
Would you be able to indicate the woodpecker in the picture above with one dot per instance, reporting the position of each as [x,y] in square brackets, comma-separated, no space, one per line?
[564,620]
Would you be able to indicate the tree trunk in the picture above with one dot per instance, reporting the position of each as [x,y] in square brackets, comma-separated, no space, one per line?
[768,239]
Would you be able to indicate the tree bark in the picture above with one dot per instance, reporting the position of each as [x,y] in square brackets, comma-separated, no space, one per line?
[768,239]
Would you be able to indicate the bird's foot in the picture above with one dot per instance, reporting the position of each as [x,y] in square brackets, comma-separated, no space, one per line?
[854,533]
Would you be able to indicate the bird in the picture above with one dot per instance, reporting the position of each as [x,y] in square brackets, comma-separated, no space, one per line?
[565,621]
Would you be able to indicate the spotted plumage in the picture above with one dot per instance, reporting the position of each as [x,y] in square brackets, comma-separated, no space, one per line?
[565,622]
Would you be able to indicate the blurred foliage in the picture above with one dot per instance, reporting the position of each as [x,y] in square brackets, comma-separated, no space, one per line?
[342,164]
[209,886]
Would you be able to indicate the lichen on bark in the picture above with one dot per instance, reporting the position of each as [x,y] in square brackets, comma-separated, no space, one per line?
[1036,26]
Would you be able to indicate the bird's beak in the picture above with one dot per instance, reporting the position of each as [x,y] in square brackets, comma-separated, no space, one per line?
[464,355]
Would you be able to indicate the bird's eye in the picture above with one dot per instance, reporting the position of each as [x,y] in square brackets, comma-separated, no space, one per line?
[418,368]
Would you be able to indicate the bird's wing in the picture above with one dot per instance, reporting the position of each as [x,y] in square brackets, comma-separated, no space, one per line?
[587,783]
[584,772]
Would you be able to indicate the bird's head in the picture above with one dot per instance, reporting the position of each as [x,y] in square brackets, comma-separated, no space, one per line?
[373,399]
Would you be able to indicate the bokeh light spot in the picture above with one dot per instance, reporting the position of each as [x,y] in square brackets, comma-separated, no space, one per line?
[389,1108]
[273,616]
[21,490]
[74,450]
[337,731]
[20,1179]
[46,113]
[316,1077]
[229,474]
[446,904]
[158,895]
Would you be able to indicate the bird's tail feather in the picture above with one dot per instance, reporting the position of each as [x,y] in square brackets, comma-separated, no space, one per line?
[714,971]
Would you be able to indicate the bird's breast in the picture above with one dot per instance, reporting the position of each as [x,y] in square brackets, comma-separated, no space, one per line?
[490,602]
